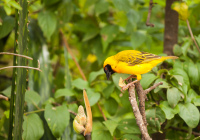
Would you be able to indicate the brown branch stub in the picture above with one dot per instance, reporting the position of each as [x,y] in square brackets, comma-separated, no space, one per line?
[100,109]
[138,116]
[4,98]
[152,87]
[72,112]
[151,4]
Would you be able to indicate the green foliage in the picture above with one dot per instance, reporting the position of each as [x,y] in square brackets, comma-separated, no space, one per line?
[33,127]
[95,30]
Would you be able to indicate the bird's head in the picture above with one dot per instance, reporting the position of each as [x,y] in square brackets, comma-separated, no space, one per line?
[108,70]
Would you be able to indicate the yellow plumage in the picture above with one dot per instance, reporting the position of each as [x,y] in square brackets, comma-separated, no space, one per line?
[132,62]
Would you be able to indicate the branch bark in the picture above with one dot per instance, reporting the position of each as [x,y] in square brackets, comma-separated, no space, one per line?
[149,14]
[171,28]
[138,116]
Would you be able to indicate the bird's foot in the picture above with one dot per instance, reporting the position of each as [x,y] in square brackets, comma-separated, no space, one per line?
[128,85]
[131,76]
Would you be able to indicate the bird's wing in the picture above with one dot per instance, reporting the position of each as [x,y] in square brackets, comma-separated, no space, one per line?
[135,57]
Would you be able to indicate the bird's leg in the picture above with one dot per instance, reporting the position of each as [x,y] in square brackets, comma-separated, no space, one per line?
[128,85]
[131,76]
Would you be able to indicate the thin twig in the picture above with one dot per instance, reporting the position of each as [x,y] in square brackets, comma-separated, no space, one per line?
[20,67]
[183,130]
[149,14]
[4,97]
[192,36]
[152,87]
[138,116]
[72,55]
[40,110]
[100,109]
[7,53]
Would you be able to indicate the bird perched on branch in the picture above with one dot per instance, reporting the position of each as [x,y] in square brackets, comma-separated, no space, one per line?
[132,62]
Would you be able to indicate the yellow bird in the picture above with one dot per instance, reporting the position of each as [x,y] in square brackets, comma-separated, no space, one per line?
[132,62]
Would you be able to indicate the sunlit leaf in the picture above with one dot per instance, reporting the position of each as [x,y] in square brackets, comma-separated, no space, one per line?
[169,112]
[189,113]
[47,22]
[32,127]
[57,119]
[111,125]
[147,79]
[173,96]
[80,84]
[182,9]
[108,33]
[32,97]
[93,96]
[64,92]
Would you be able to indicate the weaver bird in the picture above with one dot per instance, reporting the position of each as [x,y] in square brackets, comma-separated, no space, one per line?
[132,62]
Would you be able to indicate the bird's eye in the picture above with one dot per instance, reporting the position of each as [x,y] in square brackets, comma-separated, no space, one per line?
[105,69]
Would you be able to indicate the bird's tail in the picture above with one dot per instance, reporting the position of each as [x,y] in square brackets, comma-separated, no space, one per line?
[169,57]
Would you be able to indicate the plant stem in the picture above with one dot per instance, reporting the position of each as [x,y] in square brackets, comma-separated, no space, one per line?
[192,36]
[40,110]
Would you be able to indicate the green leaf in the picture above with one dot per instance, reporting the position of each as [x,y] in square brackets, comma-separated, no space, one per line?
[133,17]
[164,85]
[90,34]
[111,125]
[51,2]
[138,38]
[108,33]
[73,107]
[101,7]
[173,96]
[191,95]
[65,11]
[108,90]
[185,47]
[93,75]
[122,5]
[7,91]
[193,73]
[128,126]
[177,50]
[169,112]
[101,134]
[189,113]
[80,84]
[110,104]
[49,101]
[64,92]
[93,97]
[147,79]
[155,117]
[33,127]
[7,8]
[7,26]
[15,5]
[148,42]
[47,22]
[32,97]
[57,119]
[196,101]
[7,113]
[130,137]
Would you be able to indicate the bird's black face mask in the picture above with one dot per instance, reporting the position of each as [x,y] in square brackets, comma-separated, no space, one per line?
[108,70]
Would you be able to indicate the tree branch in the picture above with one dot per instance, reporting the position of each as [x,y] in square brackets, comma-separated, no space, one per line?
[4,98]
[188,24]
[149,14]
[138,116]
[152,87]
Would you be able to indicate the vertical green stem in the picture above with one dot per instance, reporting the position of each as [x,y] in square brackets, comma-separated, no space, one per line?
[19,75]
[13,90]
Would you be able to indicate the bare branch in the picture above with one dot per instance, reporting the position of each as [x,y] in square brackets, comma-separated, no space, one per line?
[21,67]
[149,14]
[7,53]
[192,36]
[4,97]
[138,116]
[152,87]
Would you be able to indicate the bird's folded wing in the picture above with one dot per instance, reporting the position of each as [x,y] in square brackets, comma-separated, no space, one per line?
[135,57]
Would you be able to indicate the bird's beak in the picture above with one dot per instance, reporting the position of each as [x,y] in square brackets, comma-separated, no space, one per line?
[108,75]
